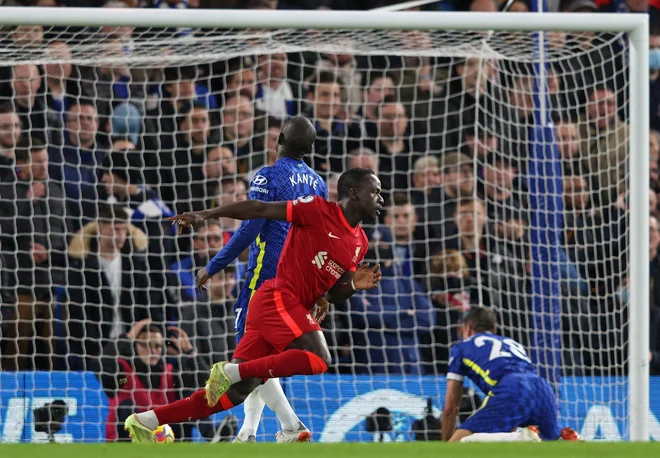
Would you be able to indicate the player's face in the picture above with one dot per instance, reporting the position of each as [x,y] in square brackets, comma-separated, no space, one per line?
[370,198]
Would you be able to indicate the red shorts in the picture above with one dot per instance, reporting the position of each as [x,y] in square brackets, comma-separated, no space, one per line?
[275,319]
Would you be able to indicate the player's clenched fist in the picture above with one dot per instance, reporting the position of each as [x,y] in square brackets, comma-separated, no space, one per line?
[366,278]
[321,311]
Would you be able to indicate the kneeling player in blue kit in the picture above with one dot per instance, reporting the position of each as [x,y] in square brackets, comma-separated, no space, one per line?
[515,395]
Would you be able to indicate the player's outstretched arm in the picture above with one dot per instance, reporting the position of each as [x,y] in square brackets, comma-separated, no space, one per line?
[350,282]
[249,209]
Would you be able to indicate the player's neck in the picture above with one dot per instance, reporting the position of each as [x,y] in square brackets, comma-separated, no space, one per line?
[351,216]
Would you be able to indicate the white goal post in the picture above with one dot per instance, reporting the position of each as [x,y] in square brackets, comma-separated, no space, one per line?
[636,26]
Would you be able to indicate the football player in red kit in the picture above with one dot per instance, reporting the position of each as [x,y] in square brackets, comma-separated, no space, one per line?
[322,252]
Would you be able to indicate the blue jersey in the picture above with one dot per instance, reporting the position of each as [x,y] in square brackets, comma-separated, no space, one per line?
[486,359]
[287,179]
[516,395]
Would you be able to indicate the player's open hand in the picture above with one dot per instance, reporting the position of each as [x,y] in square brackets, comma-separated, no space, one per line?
[202,277]
[321,311]
[366,278]
[187,219]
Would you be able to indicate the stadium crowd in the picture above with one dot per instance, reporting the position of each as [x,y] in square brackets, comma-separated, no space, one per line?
[94,159]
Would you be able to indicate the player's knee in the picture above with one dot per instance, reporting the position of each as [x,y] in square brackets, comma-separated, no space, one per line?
[320,360]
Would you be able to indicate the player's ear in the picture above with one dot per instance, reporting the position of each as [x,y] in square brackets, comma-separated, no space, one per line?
[353,194]
[280,139]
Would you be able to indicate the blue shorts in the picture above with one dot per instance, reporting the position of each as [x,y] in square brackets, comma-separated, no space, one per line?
[240,311]
[518,400]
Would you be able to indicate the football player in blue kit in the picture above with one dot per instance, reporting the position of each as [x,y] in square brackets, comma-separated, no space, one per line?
[288,179]
[515,395]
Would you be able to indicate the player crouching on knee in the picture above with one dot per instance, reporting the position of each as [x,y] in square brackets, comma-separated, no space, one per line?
[515,394]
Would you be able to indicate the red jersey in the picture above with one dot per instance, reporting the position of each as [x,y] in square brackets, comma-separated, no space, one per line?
[319,248]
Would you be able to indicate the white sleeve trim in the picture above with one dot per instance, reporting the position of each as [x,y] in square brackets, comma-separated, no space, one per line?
[457,377]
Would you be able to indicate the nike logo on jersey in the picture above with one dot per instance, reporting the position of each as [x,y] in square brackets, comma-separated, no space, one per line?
[332,236]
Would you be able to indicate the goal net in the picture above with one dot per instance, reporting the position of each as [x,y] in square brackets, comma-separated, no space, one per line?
[503,189]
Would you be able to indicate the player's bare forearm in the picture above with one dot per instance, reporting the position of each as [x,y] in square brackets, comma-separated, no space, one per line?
[341,291]
[249,209]
[448,422]
[454,392]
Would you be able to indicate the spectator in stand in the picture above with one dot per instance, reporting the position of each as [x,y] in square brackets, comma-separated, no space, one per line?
[108,286]
[654,72]
[470,79]
[568,140]
[502,273]
[238,132]
[186,192]
[59,86]
[507,209]
[344,67]
[32,223]
[274,95]
[481,140]
[75,164]
[436,218]
[28,36]
[29,100]
[124,186]
[161,122]
[334,137]
[401,219]
[230,190]
[136,375]
[377,86]
[207,241]
[453,291]
[208,317]
[603,138]
[389,324]
[654,145]
[220,163]
[362,158]
[425,180]
[272,134]
[10,133]
[241,79]
[390,139]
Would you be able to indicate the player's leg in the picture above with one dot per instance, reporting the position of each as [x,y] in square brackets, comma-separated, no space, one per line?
[253,405]
[545,415]
[140,426]
[289,328]
[497,420]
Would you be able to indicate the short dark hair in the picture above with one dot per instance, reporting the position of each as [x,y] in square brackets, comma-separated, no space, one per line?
[274,123]
[176,74]
[6,108]
[25,147]
[322,77]
[112,214]
[400,198]
[350,179]
[481,319]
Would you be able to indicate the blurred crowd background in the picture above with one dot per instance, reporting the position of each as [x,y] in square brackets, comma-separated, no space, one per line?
[95,155]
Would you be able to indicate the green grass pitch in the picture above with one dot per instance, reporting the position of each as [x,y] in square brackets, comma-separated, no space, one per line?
[407,450]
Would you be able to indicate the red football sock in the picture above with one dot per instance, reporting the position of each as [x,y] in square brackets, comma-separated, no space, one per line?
[191,408]
[285,364]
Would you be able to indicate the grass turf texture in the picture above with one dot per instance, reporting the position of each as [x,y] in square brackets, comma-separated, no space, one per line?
[314,450]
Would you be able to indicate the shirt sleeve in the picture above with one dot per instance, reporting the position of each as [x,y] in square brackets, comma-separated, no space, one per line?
[305,211]
[239,242]
[456,369]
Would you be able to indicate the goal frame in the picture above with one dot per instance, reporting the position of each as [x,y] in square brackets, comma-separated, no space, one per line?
[636,25]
